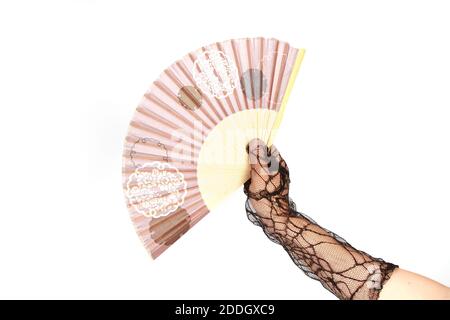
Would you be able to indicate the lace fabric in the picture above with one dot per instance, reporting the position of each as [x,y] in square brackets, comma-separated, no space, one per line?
[323,255]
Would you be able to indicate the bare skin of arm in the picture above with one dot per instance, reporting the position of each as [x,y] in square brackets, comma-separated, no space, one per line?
[323,255]
[406,285]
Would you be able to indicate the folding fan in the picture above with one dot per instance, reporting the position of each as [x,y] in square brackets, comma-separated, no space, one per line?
[185,148]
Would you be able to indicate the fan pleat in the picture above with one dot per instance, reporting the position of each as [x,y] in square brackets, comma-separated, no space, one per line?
[232,103]
[225,112]
[244,102]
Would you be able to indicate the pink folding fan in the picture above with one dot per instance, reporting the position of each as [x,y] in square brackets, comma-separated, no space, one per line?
[185,147]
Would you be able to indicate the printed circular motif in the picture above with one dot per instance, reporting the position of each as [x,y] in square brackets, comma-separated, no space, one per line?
[156,189]
[215,73]
[190,97]
[253,84]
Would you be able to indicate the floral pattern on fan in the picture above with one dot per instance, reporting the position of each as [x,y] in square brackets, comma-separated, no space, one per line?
[215,73]
[156,189]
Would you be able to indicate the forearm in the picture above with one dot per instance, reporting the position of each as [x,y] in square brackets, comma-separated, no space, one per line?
[345,271]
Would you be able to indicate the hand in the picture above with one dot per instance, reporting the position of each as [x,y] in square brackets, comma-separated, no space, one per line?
[268,186]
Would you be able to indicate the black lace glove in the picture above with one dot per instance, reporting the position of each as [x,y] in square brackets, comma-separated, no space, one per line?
[345,271]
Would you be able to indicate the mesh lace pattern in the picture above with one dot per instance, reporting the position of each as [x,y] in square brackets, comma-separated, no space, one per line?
[348,273]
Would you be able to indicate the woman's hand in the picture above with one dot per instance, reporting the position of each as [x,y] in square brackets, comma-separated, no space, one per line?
[268,186]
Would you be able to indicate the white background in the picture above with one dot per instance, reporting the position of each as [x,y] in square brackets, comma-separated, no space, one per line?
[366,135]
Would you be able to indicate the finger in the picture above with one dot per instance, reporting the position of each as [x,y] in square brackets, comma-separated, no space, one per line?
[273,171]
[263,158]
[259,158]
[258,152]
[276,160]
